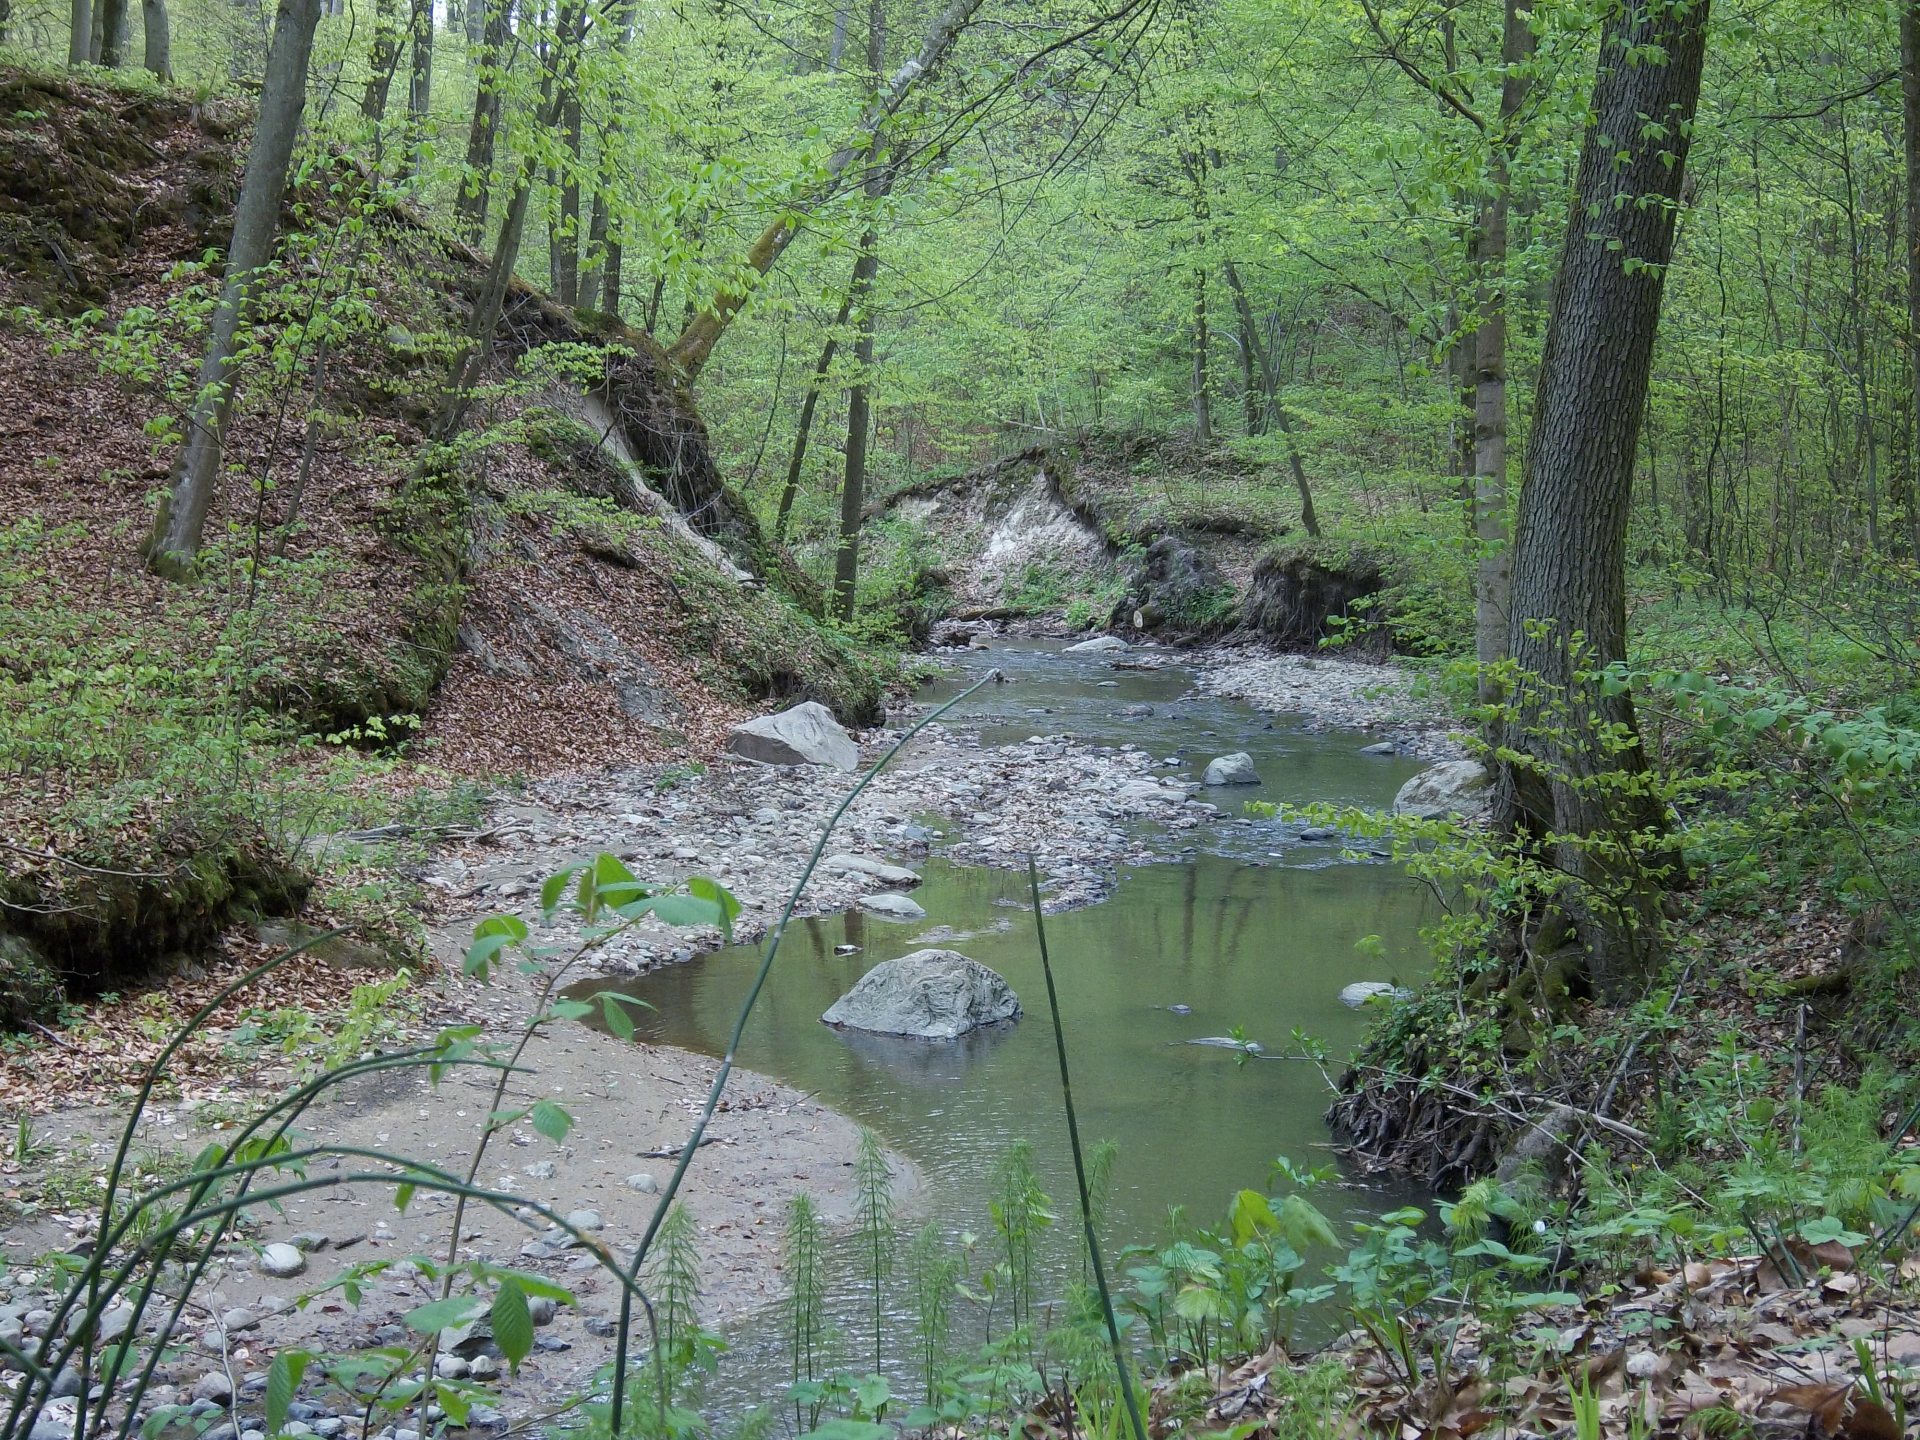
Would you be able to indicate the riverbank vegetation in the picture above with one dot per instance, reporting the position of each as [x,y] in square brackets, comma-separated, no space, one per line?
[401,402]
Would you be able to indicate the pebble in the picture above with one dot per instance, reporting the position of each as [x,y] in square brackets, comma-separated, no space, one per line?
[308,1241]
[236,1320]
[450,1367]
[542,1170]
[644,1182]
[66,1384]
[328,1426]
[586,1220]
[482,1367]
[541,1309]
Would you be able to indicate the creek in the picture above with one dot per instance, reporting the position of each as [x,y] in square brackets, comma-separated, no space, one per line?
[1238,926]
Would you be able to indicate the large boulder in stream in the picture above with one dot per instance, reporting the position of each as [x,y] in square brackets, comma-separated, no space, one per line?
[1456,787]
[1234,769]
[927,995]
[807,734]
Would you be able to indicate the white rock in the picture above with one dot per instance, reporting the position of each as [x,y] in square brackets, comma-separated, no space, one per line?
[867,865]
[928,994]
[1234,769]
[1365,992]
[1099,645]
[807,734]
[644,1182]
[1456,787]
[893,905]
[282,1260]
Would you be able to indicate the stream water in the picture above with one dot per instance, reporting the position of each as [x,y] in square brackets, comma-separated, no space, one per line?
[1243,925]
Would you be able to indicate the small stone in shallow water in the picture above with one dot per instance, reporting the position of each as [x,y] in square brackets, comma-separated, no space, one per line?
[894,906]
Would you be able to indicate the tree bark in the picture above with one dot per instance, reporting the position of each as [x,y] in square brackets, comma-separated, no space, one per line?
[80,33]
[178,528]
[420,84]
[564,240]
[703,332]
[1202,401]
[384,60]
[159,38]
[110,19]
[1910,109]
[1574,776]
[791,490]
[1493,581]
[470,205]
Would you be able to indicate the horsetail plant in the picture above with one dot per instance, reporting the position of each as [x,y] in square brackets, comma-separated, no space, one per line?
[873,1204]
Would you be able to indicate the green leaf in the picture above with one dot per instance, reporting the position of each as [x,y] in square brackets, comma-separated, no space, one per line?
[437,1315]
[283,1378]
[702,887]
[1250,1215]
[613,1006]
[512,1323]
[614,884]
[551,1121]
[554,888]
[684,910]
[850,1430]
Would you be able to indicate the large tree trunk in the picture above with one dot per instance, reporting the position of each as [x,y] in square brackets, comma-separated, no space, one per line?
[1493,582]
[791,490]
[384,60]
[178,528]
[703,332]
[80,32]
[110,21]
[1910,105]
[159,38]
[1270,391]
[1576,780]
[470,206]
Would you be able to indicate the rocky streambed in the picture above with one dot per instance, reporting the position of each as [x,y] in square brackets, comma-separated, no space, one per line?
[1091,764]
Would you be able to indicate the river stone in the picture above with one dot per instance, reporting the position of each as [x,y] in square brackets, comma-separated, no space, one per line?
[867,865]
[807,734]
[1456,787]
[1380,747]
[282,1260]
[1099,645]
[1234,769]
[1363,992]
[894,906]
[929,994]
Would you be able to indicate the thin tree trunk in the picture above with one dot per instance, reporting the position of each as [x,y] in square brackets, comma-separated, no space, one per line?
[703,332]
[791,490]
[178,528]
[1202,402]
[1578,779]
[159,38]
[470,205]
[1270,388]
[564,243]
[384,60]
[420,85]
[1493,581]
[846,559]
[1910,108]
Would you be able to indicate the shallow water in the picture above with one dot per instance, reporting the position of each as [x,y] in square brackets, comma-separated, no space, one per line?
[1244,926]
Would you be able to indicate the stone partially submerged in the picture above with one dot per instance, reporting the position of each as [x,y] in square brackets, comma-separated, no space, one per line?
[807,734]
[927,995]
[1234,769]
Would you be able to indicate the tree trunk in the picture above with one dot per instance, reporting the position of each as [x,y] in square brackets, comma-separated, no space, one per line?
[1270,389]
[791,490]
[1493,582]
[1576,778]
[564,242]
[384,60]
[110,19]
[80,33]
[182,519]
[1202,402]
[420,85]
[470,205]
[846,559]
[159,38]
[703,332]
[1910,107]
